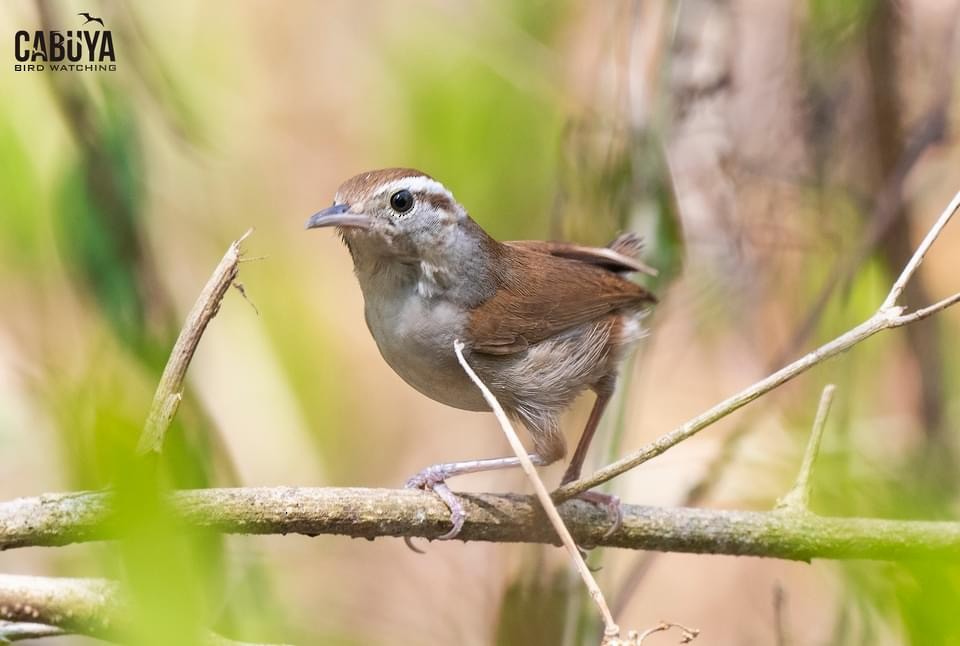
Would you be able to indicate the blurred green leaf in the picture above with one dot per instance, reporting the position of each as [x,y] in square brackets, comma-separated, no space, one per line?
[21,200]
[98,210]
[835,23]
[489,139]
[535,607]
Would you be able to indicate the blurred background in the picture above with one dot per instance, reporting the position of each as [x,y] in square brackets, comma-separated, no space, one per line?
[782,159]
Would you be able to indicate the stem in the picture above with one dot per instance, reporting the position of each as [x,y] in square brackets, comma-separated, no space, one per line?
[169,391]
[610,628]
[798,498]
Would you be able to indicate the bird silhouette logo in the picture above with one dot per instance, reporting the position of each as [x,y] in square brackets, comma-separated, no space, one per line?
[91,18]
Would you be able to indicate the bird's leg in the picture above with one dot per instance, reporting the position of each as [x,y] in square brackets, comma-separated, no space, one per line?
[434,478]
[611,502]
[580,453]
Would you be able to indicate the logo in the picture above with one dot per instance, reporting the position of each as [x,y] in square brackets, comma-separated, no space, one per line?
[90,18]
[81,50]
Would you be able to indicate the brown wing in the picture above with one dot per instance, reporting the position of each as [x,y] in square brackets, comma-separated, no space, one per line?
[540,295]
[617,257]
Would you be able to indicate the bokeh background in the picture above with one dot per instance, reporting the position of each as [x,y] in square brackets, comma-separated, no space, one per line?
[781,157]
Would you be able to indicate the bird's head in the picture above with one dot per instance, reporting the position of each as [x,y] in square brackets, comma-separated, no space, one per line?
[397,212]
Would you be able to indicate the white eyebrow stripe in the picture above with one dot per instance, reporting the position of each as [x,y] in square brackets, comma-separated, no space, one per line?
[418,184]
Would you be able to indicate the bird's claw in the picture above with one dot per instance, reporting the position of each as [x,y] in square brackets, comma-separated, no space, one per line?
[612,505]
[434,479]
[457,513]
[429,477]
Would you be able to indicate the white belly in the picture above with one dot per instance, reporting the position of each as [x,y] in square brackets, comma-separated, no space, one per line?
[415,335]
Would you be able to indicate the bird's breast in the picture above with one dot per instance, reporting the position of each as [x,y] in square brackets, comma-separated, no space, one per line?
[415,336]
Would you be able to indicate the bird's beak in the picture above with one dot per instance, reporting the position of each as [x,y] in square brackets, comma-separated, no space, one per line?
[338,216]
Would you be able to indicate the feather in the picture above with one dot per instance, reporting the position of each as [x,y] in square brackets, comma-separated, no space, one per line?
[620,256]
[531,304]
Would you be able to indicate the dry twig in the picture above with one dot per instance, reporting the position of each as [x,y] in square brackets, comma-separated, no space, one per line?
[169,391]
[610,628]
[687,635]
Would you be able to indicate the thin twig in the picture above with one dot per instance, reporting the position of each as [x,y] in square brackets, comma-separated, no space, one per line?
[888,316]
[169,391]
[687,635]
[243,292]
[610,628]
[883,215]
[14,631]
[921,253]
[62,519]
[919,315]
[797,500]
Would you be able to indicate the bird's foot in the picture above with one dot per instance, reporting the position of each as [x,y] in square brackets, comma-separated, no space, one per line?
[612,505]
[434,479]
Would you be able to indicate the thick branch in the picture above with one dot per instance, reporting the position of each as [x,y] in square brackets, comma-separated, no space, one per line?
[59,519]
[55,606]
[84,606]
[169,391]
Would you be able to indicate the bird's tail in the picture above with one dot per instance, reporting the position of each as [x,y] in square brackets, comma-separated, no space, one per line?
[628,244]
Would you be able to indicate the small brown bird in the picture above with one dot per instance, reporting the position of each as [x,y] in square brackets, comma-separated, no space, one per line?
[541,321]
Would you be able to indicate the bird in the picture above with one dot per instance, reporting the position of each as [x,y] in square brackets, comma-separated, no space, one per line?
[540,322]
[90,18]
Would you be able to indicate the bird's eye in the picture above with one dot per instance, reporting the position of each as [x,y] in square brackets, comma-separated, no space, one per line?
[401,201]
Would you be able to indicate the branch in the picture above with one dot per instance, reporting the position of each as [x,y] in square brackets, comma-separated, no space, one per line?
[169,391]
[888,316]
[56,606]
[84,606]
[798,498]
[921,253]
[61,519]
[12,631]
